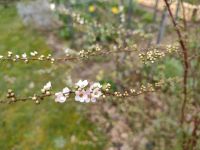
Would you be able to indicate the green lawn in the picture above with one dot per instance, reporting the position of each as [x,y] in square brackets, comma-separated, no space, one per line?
[47,126]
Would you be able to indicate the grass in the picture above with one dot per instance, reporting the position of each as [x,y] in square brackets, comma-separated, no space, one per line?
[47,126]
[194,2]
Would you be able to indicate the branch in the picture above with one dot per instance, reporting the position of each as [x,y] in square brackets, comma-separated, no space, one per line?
[186,62]
[150,54]
[85,91]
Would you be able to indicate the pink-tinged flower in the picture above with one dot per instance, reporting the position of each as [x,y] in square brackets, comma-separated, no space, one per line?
[66,91]
[95,85]
[60,98]
[87,100]
[81,96]
[96,93]
[47,86]
[82,84]
[91,98]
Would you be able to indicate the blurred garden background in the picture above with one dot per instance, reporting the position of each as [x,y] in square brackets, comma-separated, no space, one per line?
[150,121]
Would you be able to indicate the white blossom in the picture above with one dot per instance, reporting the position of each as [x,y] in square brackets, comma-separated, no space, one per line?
[96,93]
[32,54]
[47,86]
[95,85]
[17,56]
[24,56]
[60,98]
[35,52]
[9,53]
[82,84]
[91,97]
[66,90]
[81,96]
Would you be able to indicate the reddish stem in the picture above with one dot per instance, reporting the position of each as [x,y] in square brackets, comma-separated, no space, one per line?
[185,58]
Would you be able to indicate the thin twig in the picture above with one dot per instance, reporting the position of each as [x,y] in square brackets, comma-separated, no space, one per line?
[185,57]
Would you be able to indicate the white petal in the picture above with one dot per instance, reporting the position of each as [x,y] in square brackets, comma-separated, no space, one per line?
[87,100]
[81,100]
[82,84]
[77,98]
[60,97]
[96,93]
[24,55]
[93,100]
[85,82]
[47,86]
[66,90]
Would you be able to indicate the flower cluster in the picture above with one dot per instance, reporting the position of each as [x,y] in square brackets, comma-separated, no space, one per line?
[84,92]
[156,53]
